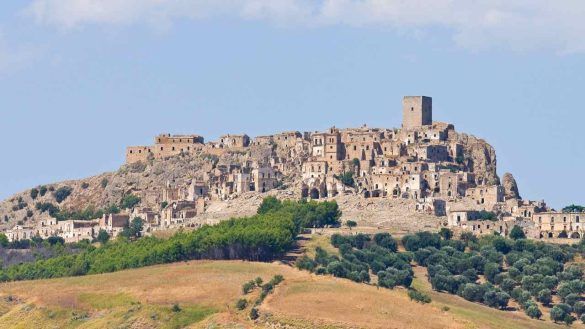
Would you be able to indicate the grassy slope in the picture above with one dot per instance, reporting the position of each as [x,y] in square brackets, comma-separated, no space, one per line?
[207,291]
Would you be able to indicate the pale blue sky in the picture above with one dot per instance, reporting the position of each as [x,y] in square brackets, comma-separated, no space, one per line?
[81,80]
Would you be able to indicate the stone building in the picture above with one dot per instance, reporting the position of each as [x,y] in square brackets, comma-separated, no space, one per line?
[417,111]
[559,225]
[166,145]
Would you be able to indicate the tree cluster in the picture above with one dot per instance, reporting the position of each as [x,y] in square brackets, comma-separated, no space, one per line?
[361,255]
[524,270]
[262,237]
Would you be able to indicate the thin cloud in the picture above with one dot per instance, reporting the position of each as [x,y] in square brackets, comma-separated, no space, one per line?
[519,25]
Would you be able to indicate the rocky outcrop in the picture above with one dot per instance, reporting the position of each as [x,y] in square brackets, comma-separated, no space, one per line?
[479,158]
[100,191]
[510,187]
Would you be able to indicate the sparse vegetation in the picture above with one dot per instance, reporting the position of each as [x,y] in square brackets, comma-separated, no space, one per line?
[43,190]
[346,178]
[62,193]
[418,296]
[34,192]
[350,224]
[241,304]
[129,201]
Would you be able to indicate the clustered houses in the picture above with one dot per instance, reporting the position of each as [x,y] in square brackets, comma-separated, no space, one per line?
[70,230]
[425,161]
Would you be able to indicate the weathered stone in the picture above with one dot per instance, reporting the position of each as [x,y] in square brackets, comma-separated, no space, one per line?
[510,187]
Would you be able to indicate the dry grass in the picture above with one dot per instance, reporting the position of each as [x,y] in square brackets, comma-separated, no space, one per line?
[207,291]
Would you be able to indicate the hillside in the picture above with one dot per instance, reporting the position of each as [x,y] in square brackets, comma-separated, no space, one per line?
[418,169]
[207,291]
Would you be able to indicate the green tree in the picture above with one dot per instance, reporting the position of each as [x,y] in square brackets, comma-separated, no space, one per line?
[517,233]
[347,179]
[268,204]
[137,225]
[3,240]
[103,236]
[544,296]
[129,201]
[574,208]
[62,193]
[446,233]
[534,312]
[558,314]
[350,224]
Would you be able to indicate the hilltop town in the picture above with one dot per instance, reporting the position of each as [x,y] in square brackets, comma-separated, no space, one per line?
[424,172]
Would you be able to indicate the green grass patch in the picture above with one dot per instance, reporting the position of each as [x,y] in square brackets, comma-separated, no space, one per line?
[323,241]
[188,315]
[106,301]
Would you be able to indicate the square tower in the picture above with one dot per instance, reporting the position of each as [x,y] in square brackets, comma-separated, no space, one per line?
[417,111]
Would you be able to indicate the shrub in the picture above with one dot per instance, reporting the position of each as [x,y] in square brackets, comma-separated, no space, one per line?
[84,185]
[62,193]
[276,280]
[34,193]
[419,296]
[254,314]
[241,304]
[487,215]
[306,263]
[129,201]
[248,286]
[176,308]
[347,179]
[350,224]
[258,281]
[43,190]
[104,182]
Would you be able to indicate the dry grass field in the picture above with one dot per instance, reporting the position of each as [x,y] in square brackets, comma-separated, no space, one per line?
[206,291]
